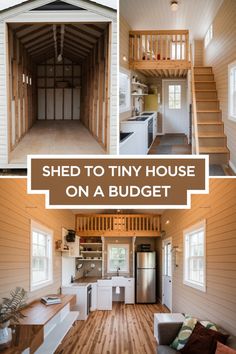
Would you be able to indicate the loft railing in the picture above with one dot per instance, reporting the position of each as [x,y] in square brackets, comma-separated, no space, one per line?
[195,138]
[117,224]
[159,46]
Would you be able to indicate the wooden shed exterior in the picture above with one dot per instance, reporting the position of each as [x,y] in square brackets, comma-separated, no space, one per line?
[27,57]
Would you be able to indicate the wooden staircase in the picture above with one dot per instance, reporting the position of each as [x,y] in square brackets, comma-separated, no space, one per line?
[212,140]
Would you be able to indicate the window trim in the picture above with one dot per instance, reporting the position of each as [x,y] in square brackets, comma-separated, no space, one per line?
[195,227]
[118,245]
[231,66]
[34,225]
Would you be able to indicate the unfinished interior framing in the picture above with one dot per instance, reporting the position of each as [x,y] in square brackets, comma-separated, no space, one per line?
[58,66]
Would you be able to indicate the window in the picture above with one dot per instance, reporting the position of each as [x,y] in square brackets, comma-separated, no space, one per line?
[195,256]
[177,51]
[41,256]
[174,97]
[118,257]
[124,92]
[232,91]
[208,36]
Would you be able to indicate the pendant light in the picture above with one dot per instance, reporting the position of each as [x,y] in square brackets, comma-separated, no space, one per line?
[174,5]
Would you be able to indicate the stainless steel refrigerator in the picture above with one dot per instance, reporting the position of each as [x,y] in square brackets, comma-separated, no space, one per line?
[146,277]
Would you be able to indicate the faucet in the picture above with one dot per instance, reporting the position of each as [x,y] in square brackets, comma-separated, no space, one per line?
[117,271]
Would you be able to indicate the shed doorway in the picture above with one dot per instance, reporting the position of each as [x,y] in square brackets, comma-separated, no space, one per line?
[58,89]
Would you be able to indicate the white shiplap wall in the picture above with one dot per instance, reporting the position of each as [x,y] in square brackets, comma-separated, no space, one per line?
[3,100]
[194,15]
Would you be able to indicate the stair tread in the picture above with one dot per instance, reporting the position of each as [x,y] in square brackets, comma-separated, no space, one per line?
[209,81]
[209,111]
[207,122]
[213,150]
[211,135]
[200,67]
[207,100]
[206,90]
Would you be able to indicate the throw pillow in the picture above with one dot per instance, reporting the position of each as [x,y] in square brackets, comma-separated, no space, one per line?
[203,341]
[184,333]
[209,325]
[223,349]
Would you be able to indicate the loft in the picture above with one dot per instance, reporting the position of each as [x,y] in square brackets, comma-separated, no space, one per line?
[159,53]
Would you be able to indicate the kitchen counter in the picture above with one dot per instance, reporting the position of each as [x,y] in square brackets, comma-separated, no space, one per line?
[87,280]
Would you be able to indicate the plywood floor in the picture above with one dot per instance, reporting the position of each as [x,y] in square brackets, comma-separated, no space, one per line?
[56,137]
[127,329]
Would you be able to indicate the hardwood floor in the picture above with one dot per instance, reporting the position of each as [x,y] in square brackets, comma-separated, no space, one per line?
[127,329]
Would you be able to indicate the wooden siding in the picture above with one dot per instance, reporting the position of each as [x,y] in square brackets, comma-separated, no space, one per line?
[198,52]
[16,210]
[220,53]
[218,303]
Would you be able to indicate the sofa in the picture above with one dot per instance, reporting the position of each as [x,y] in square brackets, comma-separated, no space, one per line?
[166,333]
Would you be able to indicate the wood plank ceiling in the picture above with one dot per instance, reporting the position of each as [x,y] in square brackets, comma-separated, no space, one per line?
[38,40]
[193,15]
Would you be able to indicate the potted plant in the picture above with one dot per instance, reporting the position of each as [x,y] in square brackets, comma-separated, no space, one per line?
[10,313]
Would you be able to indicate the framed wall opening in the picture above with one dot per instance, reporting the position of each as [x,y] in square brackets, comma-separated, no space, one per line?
[58,89]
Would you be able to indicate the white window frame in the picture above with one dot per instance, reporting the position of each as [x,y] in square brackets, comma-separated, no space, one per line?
[37,227]
[118,245]
[209,36]
[175,94]
[231,94]
[127,106]
[186,232]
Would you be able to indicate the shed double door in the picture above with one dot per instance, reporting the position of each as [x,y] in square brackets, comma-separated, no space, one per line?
[58,104]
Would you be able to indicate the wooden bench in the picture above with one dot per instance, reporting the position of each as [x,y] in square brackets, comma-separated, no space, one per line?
[44,327]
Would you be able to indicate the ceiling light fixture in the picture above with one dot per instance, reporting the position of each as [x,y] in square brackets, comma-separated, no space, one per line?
[174,5]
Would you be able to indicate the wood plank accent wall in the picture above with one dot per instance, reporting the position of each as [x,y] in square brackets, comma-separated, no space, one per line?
[198,52]
[218,303]
[219,54]
[16,210]
[21,91]
[95,95]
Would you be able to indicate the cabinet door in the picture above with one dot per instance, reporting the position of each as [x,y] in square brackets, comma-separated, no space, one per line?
[94,297]
[104,298]
[129,291]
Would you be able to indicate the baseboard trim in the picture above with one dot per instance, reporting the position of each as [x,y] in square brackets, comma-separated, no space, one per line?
[232,166]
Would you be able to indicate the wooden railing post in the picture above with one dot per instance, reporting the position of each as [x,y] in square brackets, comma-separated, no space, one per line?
[194,105]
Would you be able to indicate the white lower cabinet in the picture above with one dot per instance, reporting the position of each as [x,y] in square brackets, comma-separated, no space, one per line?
[81,299]
[129,291]
[94,297]
[104,292]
